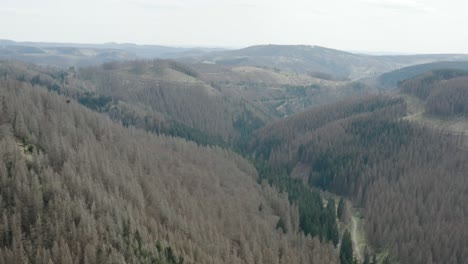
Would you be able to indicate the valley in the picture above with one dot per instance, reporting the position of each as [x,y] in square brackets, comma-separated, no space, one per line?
[268,154]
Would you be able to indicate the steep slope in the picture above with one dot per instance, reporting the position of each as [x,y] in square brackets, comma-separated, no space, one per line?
[302,59]
[281,93]
[77,188]
[438,99]
[209,104]
[393,78]
[410,179]
[160,96]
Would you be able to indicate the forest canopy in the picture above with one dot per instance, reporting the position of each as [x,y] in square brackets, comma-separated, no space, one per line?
[406,177]
[77,188]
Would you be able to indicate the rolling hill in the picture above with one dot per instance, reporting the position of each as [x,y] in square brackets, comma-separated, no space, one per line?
[315,61]
[438,99]
[160,96]
[81,55]
[201,102]
[320,60]
[63,56]
[393,78]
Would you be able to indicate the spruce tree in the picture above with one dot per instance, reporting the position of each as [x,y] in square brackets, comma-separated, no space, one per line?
[281,225]
[331,226]
[386,260]
[366,258]
[346,251]
[340,211]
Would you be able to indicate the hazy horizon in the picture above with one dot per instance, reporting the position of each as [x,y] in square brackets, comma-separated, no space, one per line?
[369,26]
[366,52]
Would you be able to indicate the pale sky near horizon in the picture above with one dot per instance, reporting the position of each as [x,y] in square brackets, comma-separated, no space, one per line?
[409,26]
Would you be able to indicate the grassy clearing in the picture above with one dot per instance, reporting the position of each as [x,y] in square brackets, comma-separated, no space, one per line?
[27,150]
[448,125]
[353,214]
[416,112]
[359,236]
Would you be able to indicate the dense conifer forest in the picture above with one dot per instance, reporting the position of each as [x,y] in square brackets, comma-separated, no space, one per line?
[444,92]
[233,132]
[160,96]
[77,188]
[157,161]
[409,179]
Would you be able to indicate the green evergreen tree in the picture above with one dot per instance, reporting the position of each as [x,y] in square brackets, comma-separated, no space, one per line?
[346,251]
[300,152]
[341,207]
[281,225]
[374,259]
[366,258]
[386,260]
[332,233]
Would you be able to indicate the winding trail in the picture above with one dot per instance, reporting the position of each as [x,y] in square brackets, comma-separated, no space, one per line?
[354,238]
[285,102]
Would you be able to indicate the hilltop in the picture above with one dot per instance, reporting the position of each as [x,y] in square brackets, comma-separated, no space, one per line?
[393,78]
[316,61]
[319,60]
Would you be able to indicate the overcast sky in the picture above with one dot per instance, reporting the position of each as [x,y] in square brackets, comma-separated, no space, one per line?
[412,26]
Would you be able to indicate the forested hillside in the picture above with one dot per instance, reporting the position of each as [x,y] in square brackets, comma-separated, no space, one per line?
[161,96]
[233,132]
[131,162]
[209,104]
[75,54]
[393,78]
[410,180]
[172,90]
[63,56]
[281,93]
[445,92]
[77,188]
[320,60]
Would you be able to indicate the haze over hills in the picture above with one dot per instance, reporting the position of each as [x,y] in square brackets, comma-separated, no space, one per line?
[63,56]
[142,51]
[80,55]
[315,60]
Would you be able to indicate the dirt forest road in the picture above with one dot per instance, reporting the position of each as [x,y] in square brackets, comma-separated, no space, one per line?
[354,238]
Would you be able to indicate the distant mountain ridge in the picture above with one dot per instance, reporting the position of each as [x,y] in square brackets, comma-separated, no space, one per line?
[302,59]
[142,51]
[81,55]
[313,59]
[63,56]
